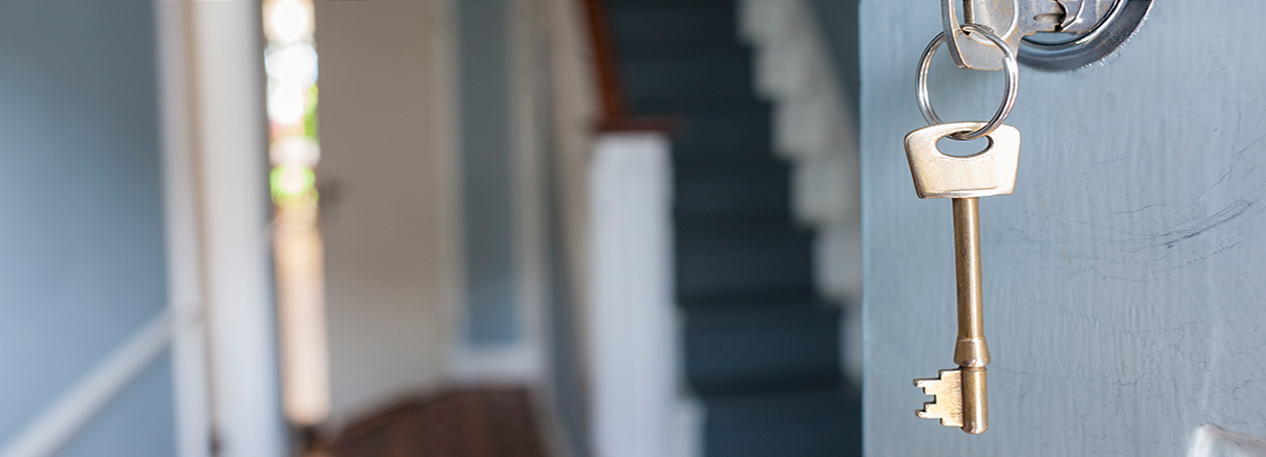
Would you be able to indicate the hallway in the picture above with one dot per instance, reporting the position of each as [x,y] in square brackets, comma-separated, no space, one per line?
[466,422]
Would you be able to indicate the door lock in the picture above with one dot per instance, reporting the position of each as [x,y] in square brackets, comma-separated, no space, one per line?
[1045,34]
[1010,20]
[1082,16]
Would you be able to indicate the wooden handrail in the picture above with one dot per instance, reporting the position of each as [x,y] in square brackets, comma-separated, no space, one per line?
[615,115]
[605,65]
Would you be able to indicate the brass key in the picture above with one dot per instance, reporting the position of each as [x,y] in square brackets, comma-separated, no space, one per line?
[961,398]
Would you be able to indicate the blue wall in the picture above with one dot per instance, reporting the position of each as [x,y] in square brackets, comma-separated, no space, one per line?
[81,224]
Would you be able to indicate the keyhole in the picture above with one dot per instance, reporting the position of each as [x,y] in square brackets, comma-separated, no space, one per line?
[958,148]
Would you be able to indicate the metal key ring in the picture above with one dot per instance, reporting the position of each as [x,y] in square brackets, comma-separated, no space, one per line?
[1008,62]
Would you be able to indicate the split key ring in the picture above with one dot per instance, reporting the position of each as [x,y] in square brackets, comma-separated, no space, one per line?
[1012,82]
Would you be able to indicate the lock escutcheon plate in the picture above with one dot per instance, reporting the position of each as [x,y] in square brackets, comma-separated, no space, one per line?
[1070,51]
[1049,35]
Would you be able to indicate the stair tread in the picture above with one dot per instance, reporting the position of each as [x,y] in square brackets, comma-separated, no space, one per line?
[687,155]
[789,300]
[773,311]
[784,404]
[734,188]
[670,26]
[740,226]
[700,107]
[611,3]
[739,347]
[719,75]
[726,124]
[800,422]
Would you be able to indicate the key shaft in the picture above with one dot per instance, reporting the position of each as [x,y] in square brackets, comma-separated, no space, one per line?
[971,352]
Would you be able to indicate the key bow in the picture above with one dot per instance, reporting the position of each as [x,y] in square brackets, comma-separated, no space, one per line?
[989,172]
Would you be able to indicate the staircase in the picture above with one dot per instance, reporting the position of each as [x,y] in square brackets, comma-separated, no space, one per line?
[762,350]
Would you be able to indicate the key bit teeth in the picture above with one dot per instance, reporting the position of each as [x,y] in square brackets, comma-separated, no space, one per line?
[948,398]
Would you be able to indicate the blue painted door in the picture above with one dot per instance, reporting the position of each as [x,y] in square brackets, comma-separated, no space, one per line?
[1123,279]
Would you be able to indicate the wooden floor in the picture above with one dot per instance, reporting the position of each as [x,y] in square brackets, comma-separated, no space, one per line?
[484,422]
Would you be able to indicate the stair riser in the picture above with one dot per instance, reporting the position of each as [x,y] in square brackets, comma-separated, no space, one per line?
[669,27]
[699,79]
[731,191]
[836,438]
[774,268]
[755,355]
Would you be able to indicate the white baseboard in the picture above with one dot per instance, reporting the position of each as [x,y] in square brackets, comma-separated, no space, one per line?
[515,364]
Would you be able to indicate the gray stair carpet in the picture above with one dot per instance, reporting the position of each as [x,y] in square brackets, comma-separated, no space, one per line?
[761,350]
